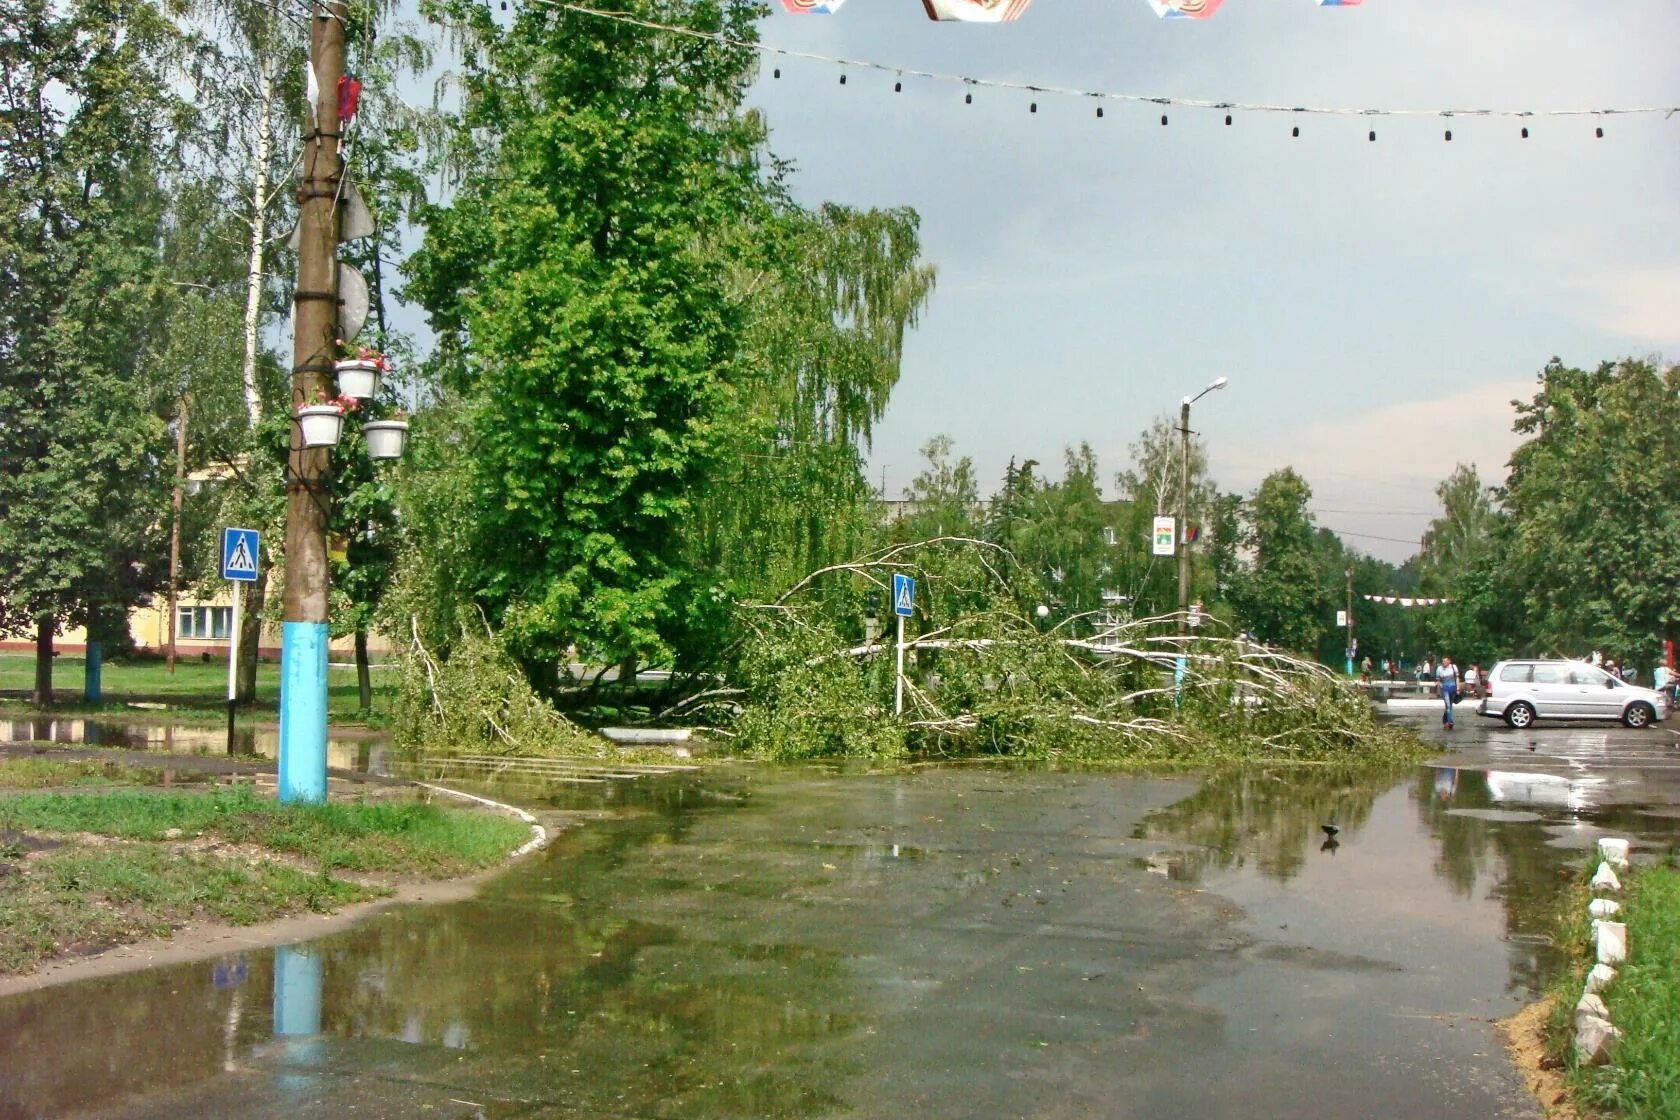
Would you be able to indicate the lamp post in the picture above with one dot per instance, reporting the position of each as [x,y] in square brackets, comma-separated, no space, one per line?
[1184,492]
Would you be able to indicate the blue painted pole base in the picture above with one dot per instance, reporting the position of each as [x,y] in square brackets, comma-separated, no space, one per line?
[303,712]
[90,674]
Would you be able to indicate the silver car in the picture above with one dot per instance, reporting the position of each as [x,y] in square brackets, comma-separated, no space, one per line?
[1520,692]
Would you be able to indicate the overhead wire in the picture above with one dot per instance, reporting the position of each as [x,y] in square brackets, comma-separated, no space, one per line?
[899,72]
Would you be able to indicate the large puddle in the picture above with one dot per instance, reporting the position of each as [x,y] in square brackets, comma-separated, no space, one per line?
[961,943]
[364,754]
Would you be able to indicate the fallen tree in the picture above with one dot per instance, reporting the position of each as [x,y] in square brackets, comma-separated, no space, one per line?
[983,677]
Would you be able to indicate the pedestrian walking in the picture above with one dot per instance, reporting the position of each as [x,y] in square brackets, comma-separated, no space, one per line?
[1472,683]
[1365,669]
[1447,674]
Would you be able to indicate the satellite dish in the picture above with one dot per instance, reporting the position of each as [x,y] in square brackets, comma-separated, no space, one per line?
[354,222]
[352,302]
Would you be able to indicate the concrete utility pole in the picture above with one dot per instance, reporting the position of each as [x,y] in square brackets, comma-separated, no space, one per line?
[1184,492]
[1351,650]
[1183,505]
[303,634]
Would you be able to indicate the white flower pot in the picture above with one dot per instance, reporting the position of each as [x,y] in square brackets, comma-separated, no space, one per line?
[385,438]
[358,378]
[322,424]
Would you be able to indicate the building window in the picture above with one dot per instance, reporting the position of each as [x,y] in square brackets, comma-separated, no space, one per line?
[203,622]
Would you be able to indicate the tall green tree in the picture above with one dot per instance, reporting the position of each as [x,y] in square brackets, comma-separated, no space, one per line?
[1593,501]
[84,114]
[943,500]
[1283,598]
[577,283]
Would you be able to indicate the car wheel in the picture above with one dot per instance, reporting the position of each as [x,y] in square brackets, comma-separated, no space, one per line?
[1638,715]
[1519,715]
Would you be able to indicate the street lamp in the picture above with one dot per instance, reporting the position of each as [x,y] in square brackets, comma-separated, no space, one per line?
[1184,491]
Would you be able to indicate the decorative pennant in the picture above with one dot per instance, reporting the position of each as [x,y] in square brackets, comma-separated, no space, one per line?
[975,11]
[812,7]
[1340,3]
[1185,9]
[1405,602]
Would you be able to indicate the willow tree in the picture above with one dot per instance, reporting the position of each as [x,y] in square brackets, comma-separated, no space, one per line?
[830,294]
[578,284]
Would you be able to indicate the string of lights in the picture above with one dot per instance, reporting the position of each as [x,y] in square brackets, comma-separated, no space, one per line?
[1229,108]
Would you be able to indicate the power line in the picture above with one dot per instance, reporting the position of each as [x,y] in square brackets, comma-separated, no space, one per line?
[1370,536]
[1381,512]
[901,72]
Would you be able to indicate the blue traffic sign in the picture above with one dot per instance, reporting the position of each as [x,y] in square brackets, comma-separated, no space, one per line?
[239,554]
[904,595]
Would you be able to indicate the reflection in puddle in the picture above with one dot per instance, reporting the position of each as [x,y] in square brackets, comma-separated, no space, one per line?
[362,755]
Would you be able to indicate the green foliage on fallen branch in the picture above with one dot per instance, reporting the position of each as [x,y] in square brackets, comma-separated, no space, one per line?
[477,701]
[984,677]
[808,703]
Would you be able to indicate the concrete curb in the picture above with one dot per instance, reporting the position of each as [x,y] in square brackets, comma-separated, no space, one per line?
[1594,1034]
[539,834]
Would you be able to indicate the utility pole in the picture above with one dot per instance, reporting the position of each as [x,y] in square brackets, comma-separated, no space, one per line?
[1350,646]
[1183,527]
[1184,505]
[303,633]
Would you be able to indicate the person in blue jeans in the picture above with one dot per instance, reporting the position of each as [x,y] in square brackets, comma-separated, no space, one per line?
[1447,674]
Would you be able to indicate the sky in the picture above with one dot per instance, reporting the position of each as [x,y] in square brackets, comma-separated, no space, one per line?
[1376,306]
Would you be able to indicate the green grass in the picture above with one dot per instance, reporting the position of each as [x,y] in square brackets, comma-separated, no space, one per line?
[84,897]
[196,690]
[42,773]
[1643,1080]
[401,835]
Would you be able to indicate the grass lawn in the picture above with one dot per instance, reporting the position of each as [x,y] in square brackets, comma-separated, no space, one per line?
[86,870]
[196,690]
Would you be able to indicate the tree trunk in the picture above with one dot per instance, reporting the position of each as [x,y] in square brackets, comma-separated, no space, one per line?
[43,695]
[259,233]
[250,639]
[364,682]
[627,672]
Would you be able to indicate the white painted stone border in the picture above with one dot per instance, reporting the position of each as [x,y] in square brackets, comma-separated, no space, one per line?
[539,834]
[1593,1031]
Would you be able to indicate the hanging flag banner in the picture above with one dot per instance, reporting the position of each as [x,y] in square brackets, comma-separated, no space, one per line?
[812,7]
[1185,9]
[1405,602]
[974,11]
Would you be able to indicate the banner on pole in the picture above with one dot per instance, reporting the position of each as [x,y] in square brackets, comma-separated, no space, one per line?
[1162,536]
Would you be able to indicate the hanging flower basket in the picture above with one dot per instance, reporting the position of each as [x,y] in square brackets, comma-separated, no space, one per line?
[385,438]
[322,424]
[358,377]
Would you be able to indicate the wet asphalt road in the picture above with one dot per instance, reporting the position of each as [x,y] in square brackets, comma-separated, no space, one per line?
[944,943]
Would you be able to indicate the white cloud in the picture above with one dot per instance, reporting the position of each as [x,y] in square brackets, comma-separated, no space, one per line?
[1641,304]
[1373,473]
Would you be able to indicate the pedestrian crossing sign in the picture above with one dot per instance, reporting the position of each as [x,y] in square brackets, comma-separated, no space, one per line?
[239,554]
[904,595]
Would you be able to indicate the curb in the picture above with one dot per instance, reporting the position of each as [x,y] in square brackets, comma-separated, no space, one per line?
[539,834]
[1594,1033]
